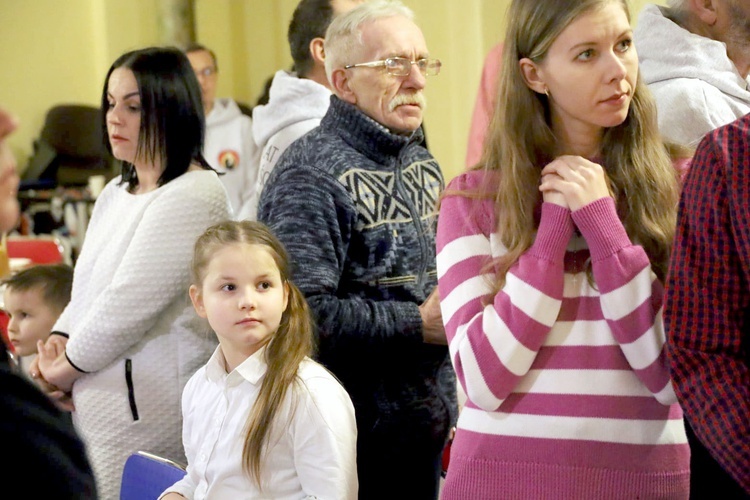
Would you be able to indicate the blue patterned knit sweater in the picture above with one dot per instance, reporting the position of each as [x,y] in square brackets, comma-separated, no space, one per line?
[355,206]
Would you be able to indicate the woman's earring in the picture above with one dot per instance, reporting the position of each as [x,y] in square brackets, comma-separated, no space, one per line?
[546,91]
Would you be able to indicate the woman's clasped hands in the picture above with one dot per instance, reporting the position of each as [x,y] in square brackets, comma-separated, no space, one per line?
[53,372]
[573,182]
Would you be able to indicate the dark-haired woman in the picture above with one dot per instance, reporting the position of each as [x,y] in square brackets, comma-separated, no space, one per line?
[129,340]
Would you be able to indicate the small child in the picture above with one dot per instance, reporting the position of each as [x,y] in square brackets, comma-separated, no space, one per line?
[33,299]
[261,419]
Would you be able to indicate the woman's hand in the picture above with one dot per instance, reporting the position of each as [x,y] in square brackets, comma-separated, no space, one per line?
[52,365]
[549,193]
[577,179]
[62,399]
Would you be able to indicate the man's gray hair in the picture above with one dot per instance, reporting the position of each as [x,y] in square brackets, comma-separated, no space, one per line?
[678,5]
[343,38]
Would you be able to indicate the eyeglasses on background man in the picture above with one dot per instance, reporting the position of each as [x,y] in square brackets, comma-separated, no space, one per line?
[401,66]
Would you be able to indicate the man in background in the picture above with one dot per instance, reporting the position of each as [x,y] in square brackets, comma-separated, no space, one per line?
[707,312]
[355,201]
[695,57]
[228,146]
[297,99]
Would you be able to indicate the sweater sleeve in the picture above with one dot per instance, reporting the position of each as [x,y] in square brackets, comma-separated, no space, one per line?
[315,222]
[152,274]
[707,308]
[493,341]
[630,295]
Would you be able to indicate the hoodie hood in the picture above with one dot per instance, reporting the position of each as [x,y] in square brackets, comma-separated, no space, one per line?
[291,100]
[667,51]
[224,110]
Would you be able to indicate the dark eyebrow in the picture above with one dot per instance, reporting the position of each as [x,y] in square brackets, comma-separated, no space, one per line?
[126,96]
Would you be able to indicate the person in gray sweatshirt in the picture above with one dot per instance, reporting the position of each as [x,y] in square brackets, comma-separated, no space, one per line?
[297,99]
[695,58]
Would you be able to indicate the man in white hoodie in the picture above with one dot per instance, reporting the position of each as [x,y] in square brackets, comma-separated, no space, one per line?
[695,57]
[228,146]
[299,99]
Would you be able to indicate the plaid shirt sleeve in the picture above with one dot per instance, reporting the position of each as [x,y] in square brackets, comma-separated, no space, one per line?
[707,307]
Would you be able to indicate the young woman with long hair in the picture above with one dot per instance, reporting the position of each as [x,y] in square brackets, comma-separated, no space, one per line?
[552,255]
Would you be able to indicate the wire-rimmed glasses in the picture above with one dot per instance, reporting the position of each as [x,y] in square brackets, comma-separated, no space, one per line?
[401,66]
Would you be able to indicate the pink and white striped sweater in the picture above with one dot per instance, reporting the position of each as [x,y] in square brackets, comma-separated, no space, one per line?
[568,393]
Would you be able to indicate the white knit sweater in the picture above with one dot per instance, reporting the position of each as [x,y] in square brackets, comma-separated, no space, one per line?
[130,321]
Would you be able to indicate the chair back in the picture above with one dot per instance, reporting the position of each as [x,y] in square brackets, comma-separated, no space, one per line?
[40,250]
[70,148]
[145,476]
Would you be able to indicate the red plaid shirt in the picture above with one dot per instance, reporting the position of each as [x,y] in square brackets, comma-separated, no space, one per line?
[707,304]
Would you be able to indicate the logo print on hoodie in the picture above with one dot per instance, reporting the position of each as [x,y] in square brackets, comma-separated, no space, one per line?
[229,159]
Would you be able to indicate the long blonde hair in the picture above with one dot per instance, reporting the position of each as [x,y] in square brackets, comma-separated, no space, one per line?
[520,142]
[287,347]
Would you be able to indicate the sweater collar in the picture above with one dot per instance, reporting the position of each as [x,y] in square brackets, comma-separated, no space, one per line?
[365,134]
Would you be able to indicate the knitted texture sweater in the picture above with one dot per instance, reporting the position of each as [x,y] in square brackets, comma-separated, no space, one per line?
[355,207]
[130,320]
[568,391]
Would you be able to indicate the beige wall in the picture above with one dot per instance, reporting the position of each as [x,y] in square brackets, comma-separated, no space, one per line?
[59,51]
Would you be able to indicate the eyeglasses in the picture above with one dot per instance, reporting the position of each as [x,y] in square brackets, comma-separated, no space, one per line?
[401,66]
[205,72]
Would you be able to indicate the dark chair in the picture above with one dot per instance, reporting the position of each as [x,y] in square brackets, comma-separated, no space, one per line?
[146,476]
[70,148]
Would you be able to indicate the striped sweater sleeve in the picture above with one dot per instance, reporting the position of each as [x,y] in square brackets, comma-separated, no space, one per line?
[493,341]
[630,295]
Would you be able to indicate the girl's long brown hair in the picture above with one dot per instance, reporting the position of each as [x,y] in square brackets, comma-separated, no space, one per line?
[286,349]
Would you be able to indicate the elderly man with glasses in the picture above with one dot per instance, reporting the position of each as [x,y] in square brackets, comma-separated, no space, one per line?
[354,202]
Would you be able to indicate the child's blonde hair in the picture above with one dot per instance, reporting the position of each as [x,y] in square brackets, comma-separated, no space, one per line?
[287,347]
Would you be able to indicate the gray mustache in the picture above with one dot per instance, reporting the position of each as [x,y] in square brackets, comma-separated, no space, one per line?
[417,98]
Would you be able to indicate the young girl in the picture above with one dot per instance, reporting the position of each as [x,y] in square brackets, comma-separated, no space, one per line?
[261,419]
[551,260]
